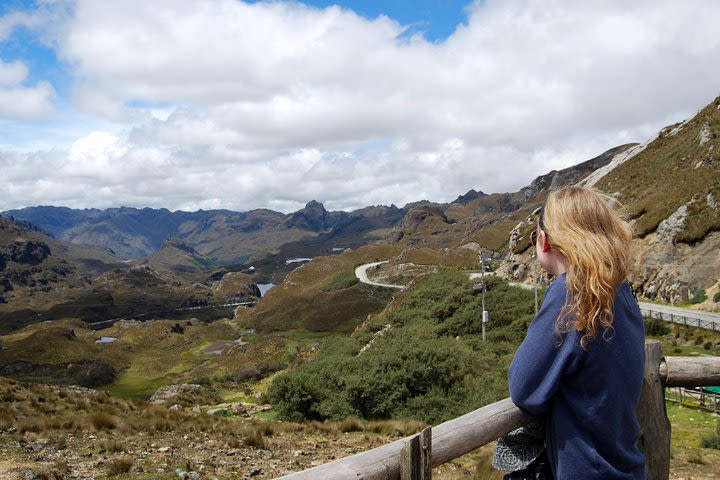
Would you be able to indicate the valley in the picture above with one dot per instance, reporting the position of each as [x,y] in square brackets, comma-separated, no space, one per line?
[334,364]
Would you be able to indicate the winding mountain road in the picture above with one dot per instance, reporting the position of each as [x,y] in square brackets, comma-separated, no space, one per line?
[361,274]
[696,318]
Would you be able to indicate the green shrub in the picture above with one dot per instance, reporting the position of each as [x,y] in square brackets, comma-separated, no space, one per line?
[656,327]
[716,297]
[699,297]
[712,441]
[431,364]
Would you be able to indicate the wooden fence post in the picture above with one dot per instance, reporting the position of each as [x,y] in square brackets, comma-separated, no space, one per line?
[654,439]
[415,461]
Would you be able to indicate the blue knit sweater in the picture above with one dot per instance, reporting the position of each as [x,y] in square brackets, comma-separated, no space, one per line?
[587,396]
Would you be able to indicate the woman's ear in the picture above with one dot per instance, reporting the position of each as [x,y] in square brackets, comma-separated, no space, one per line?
[543,241]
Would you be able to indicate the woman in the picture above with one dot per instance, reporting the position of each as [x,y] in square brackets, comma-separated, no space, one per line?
[580,366]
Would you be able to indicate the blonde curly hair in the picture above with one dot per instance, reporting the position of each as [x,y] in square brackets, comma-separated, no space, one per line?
[581,224]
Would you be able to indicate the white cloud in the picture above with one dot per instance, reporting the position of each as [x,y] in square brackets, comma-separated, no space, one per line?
[271,104]
[12,73]
[19,101]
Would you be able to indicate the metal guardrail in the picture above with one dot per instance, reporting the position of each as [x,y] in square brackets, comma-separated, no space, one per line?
[694,397]
[681,319]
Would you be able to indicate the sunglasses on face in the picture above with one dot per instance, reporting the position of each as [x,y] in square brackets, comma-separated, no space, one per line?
[534,236]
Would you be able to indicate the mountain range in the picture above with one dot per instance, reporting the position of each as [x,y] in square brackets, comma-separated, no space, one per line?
[669,186]
[224,236]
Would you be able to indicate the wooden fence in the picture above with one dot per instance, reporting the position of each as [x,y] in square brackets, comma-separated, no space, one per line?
[461,435]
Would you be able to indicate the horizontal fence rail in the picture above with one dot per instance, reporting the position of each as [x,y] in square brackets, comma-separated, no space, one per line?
[464,434]
[690,371]
[699,319]
[450,440]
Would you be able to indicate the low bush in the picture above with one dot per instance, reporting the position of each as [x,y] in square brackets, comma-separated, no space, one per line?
[656,327]
[350,424]
[430,364]
[395,428]
[104,421]
[712,441]
[119,466]
[716,297]
[112,446]
[253,438]
[699,297]
[696,458]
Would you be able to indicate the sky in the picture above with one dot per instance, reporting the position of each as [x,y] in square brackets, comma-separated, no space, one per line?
[190,104]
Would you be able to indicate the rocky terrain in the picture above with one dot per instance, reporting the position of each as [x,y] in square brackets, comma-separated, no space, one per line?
[45,279]
[174,438]
[107,438]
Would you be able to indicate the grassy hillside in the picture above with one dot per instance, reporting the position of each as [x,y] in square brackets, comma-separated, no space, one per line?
[681,166]
[423,357]
[303,302]
[146,356]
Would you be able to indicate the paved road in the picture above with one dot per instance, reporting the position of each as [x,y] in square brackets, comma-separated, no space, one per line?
[361,274]
[683,316]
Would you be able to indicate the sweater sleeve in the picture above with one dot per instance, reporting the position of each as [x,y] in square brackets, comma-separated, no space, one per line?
[543,357]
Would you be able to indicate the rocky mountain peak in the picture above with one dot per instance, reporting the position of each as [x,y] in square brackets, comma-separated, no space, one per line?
[313,217]
[469,197]
[314,205]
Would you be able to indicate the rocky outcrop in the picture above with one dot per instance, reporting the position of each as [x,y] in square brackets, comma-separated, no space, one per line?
[85,373]
[185,395]
[670,268]
[705,134]
[574,174]
[669,228]
[26,252]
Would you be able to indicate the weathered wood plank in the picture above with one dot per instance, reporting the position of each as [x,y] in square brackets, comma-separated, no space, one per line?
[415,457]
[410,468]
[426,454]
[654,439]
[690,371]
